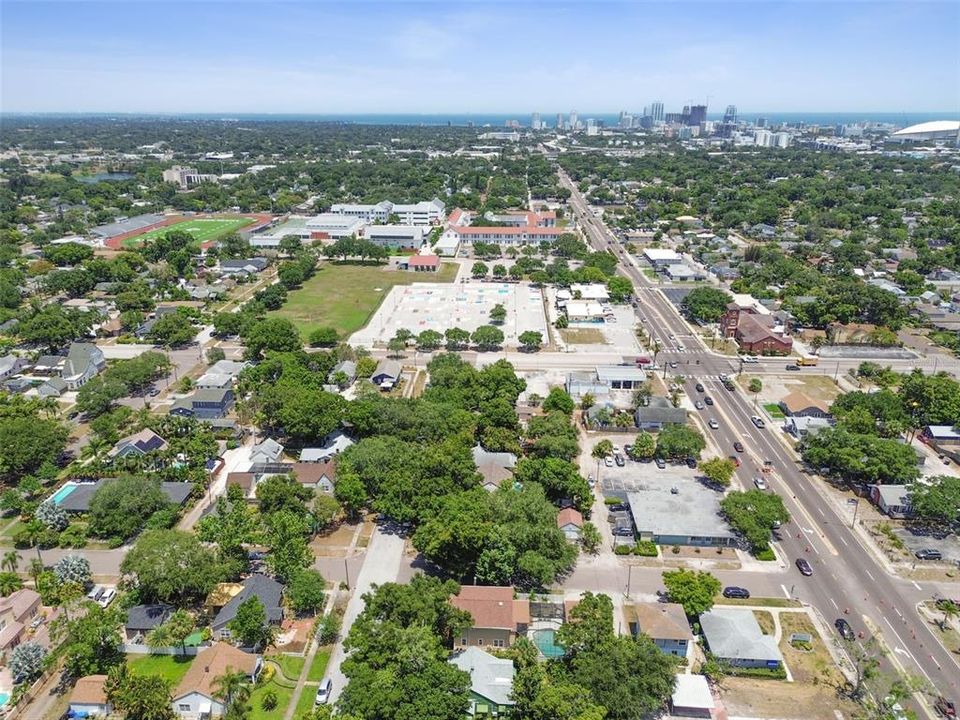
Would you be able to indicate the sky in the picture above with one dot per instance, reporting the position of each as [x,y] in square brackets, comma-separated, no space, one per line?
[485,57]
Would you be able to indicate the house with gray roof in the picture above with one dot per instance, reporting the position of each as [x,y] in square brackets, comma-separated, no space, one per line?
[78,500]
[491,682]
[894,500]
[84,362]
[333,444]
[141,619]
[734,636]
[348,368]
[205,404]
[139,443]
[269,451]
[683,513]
[248,266]
[10,365]
[52,388]
[495,467]
[387,374]
[267,590]
[658,413]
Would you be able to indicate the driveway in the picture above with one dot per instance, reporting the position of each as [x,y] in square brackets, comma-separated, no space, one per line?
[236,460]
[381,565]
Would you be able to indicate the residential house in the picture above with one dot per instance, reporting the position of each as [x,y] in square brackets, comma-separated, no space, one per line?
[387,374]
[249,266]
[195,697]
[755,331]
[498,618]
[89,698]
[84,362]
[733,635]
[205,404]
[333,444]
[491,682]
[803,426]
[658,413]
[320,476]
[17,611]
[665,623]
[894,500]
[78,501]
[52,387]
[267,452]
[494,467]
[349,370]
[222,374]
[141,619]
[421,263]
[264,588]
[49,365]
[570,522]
[798,404]
[10,365]
[139,443]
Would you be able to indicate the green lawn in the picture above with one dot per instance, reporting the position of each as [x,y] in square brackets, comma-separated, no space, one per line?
[345,296]
[319,665]
[169,666]
[774,411]
[203,229]
[291,665]
[284,695]
[306,702]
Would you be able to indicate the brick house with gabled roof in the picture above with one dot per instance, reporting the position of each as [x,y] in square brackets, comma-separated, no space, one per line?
[498,618]
[754,332]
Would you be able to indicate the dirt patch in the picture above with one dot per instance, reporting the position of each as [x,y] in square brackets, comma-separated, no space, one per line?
[765,602]
[814,666]
[582,336]
[765,620]
[750,697]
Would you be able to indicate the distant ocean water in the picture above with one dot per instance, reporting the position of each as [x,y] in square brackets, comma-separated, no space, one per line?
[500,119]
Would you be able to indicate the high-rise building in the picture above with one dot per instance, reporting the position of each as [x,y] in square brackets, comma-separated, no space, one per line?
[559,121]
[761,122]
[535,122]
[730,116]
[697,115]
[656,112]
[574,123]
[763,138]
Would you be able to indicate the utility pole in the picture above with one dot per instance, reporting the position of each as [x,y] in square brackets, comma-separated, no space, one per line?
[856,506]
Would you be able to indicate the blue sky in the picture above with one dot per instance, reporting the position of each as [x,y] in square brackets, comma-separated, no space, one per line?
[333,57]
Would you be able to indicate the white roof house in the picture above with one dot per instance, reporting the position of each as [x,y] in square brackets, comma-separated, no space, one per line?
[692,696]
[584,310]
[591,291]
[661,256]
[734,635]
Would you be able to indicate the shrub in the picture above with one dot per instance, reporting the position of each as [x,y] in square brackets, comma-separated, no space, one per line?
[74,536]
[72,568]
[163,519]
[765,554]
[269,700]
[612,500]
[645,548]
[675,549]
[622,550]
[26,660]
[114,542]
[52,515]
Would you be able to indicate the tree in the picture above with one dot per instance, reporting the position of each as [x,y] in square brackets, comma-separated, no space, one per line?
[429,340]
[170,565]
[233,524]
[283,492]
[27,661]
[755,386]
[718,470]
[602,449]
[457,338]
[498,314]
[10,561]
[325,510]
[98,396]
[644,446]
[679,441]
[10,582]
[936,502]
[590,538]
[27,442]
[487,337]
[276,334]
[231,687]
[178,627]
[859,457]
[366,366]
[323,337]
[120,507]
[705,304]
[619,288]
[173,330]
[52,515]
[305,591]
[250,625]
[530,340]
[139,697]
[73,569]
[755,514]
[559,399]
[286,534]
[561,480]
[479,270]
[91,642]
[695,590]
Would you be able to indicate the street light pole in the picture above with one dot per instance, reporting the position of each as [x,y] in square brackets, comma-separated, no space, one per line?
[346,570]
[856,507]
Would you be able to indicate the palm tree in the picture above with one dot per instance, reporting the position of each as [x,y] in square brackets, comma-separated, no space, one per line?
[11,561]
[9,583]
[950,610]
[231,687]
[159,637]
[33,531]
[36,568]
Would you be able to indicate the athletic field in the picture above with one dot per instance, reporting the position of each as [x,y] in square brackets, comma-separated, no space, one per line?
[203,229]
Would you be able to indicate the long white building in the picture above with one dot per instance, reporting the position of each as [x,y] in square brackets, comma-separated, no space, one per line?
[408,237]
[330,225]
[427,212]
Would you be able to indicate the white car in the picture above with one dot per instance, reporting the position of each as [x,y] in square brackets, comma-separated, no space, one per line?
[758,421]
[608,461]
[96,592]
[714,425]
[751,359]
[108,595]
[323,692]
[616,449]
[760,483]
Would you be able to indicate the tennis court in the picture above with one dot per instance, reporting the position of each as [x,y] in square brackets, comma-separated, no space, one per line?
[203,229]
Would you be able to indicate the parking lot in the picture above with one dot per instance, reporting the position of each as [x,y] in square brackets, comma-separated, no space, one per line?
[618,481]
[949,546]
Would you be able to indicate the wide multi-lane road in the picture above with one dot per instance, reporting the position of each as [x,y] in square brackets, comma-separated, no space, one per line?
[847,581]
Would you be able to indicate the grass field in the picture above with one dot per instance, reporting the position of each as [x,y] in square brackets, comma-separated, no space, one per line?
[345,296]
[774,411]
[203,229]
[171,667]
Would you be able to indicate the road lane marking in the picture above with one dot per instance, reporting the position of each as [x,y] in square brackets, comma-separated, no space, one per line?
[869,575]
[785,591]
[844,541]
[915,585]
[910,654]
[832,602]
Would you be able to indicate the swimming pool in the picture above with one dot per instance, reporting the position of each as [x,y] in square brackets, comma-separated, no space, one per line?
[545,640]
[4,698]
[60,495]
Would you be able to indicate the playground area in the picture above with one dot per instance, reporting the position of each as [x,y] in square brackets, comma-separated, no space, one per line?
[435,306]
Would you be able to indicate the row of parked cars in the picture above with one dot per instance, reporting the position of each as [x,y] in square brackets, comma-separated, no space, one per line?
[102,595]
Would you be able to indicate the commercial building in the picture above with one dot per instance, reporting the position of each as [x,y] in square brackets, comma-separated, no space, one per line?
[948,130]
[686,513]
[518,236]
[525,218]
[427,212]
[894,500]
[185,177]
[755,332]
[660,258]
[584,311]
[404,237]
[733,635]
[659,412]
[330,226]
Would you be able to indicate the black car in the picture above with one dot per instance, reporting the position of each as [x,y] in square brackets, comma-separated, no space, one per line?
[738,446]
[843,627]
[661,463]
[619,507]
[618,459]
[623,532]
[708,400]
[929,554]
[699,387]
[804,567]
[691,462]
[793,367]
[736,592]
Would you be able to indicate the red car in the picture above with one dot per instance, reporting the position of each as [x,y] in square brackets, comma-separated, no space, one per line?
[945,707]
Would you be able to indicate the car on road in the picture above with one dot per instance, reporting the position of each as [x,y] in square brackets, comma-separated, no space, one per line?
[738,446]
[714,425]
[700,387]
[661,463]
[728,384]
[843,627]
[736,592]
[751,359]
[736,460]
[608,461]
[698,405]
[758,421]
[674,364]
[323,692]
[681,348]
[945,708]
[154,392]
[793,367]
[804,567]
[760,483]
[708,400]
[929,554]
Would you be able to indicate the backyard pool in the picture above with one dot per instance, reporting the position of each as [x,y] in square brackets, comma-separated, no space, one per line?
[545,640]
[60,495]
[4,698]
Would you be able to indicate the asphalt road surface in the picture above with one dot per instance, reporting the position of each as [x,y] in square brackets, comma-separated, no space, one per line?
[847,580]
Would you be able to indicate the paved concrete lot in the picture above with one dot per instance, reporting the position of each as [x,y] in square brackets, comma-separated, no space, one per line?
[440,306]
[949,546]
[633,476]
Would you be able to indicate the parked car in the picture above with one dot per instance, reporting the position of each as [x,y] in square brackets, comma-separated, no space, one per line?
[108,595]
[708,400]
[929,554]
[154,392]
[623,532]
[714,425]
[323,692]
[804,567]
[843,627]
[699,387]
[691,462]
[758,421]
[619,507]
[760,483]
[736,592]
[608,461]
[95,592]
[738,446]
[619,460]
[945,708]
[661,463]
[793,367]
[674,364]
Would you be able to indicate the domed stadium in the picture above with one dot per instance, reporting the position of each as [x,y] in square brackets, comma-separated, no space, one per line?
[934,130]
